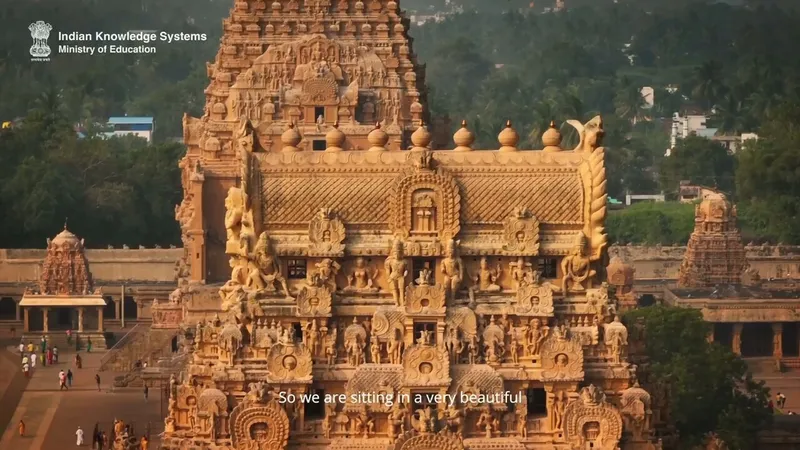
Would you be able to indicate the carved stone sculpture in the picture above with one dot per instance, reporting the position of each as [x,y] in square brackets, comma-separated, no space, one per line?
[327,234]
[521,233]
[396,272]
[452,270]
[486,278]
[361,279]
[576,267]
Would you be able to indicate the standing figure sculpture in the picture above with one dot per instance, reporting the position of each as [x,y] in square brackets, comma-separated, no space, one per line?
[452,269]
[576,267]
[396,272]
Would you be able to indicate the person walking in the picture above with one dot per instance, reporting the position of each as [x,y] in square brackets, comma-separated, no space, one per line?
[145,392]
[69,377]
[96,437]
[104,440]
[21,347]
[55,354]
[49,356]
[21,428]
[144,443]
[26,369]
[30,347]
[62,381]
[79,436]
[33,360]
[69,336]
[97,380]
[44,344]
[89,345]
[78,361]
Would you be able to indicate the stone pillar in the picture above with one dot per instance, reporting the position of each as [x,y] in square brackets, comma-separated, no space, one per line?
[777,340]
[737,338]
[196,230]
[117,309]
[100,319]
[26,321]
[80,319]
[16,301]
[45,322]
[139,307]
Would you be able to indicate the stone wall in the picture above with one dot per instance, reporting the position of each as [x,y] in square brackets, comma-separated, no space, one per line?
[106,265]
[661,262]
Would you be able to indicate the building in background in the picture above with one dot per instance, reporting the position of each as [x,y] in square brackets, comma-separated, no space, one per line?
[138,126]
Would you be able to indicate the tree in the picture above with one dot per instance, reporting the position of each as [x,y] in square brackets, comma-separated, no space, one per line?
[699,161]
[668,223]
[768,176]
[709,389]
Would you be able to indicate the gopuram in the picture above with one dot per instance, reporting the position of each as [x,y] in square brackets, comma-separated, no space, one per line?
[383,280]
[755,318]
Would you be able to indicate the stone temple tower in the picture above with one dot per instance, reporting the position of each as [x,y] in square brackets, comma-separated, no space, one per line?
[715,254]
[309,65]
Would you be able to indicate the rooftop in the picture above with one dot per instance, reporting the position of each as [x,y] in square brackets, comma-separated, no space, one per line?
[130,120]
[734,292]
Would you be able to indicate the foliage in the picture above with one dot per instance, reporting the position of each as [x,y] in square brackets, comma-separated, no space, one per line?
[767,178]
[652,223]
[112,191]
[708,387]
[699,161]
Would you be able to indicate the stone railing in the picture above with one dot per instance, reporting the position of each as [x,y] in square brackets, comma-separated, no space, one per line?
[114,351]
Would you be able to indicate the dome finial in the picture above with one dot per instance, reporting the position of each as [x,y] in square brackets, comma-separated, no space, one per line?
[464,123]
[551,138]
[65,223]
[508,138]
[464,138]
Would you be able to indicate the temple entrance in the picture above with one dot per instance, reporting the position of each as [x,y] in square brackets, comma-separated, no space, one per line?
[790,335]
[35,319]
[756,340]
[723,334]
[8,309]
[62,319]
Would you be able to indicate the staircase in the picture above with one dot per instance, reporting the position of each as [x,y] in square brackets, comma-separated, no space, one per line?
[59,339]
[140,344]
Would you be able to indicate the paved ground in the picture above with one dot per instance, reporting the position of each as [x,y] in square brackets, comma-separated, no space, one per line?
[52,416]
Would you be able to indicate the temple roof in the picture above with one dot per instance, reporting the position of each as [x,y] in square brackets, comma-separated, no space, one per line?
[65,236]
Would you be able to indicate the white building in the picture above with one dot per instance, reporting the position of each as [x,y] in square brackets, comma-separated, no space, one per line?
[138,126]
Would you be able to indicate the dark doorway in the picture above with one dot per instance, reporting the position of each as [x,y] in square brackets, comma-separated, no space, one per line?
[537,401]
[418,264]
[315,409]
[319,145]
[756,340]
[8,309]
[131,311]
[789,343]
[723,335]
[646,300]
[63,319]
[174,344]
[430,327]
[319,111]
[110,310]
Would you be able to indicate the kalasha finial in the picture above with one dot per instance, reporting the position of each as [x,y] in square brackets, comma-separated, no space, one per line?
[291,125]
[377,125]
[336,124]
[552,124]
[464,123]
[65,223]
[508,123]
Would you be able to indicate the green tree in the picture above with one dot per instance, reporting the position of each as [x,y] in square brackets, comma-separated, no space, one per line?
[768,176]
[709,389]
[699,161]
[668,223]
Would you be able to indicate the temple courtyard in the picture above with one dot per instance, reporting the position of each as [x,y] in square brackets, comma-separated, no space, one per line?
[52,416]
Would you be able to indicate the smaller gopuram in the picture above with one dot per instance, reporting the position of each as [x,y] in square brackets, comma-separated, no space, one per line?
[64,297]
[621,278]
[715,254]
[755,318]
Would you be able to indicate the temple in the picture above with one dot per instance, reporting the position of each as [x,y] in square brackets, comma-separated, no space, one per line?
[755,318]
[358,264]
[64,297]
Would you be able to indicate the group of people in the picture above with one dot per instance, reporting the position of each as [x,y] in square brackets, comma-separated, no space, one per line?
[102,441]
[49,355]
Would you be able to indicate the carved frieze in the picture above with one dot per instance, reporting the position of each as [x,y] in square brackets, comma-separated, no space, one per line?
[426,365]
[426,202]
[314,301]
[326,233]
[425,299]
[289,363]
[387,322]
[592,420]
[562,358]
[534,300]
[444,440]
[521,231]
[259,425]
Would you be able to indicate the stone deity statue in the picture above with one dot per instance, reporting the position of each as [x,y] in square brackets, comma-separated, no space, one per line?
[396,272]
[575,267]
[486,279]
[452,270]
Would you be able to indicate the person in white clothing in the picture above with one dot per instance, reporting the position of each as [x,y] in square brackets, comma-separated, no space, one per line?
[79,435]
[33,360]
[21,348]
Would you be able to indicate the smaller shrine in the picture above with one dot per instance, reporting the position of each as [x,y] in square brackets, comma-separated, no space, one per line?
[753,317]
[64,298]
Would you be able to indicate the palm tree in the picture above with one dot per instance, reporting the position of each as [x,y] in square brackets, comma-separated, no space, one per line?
[708,86]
